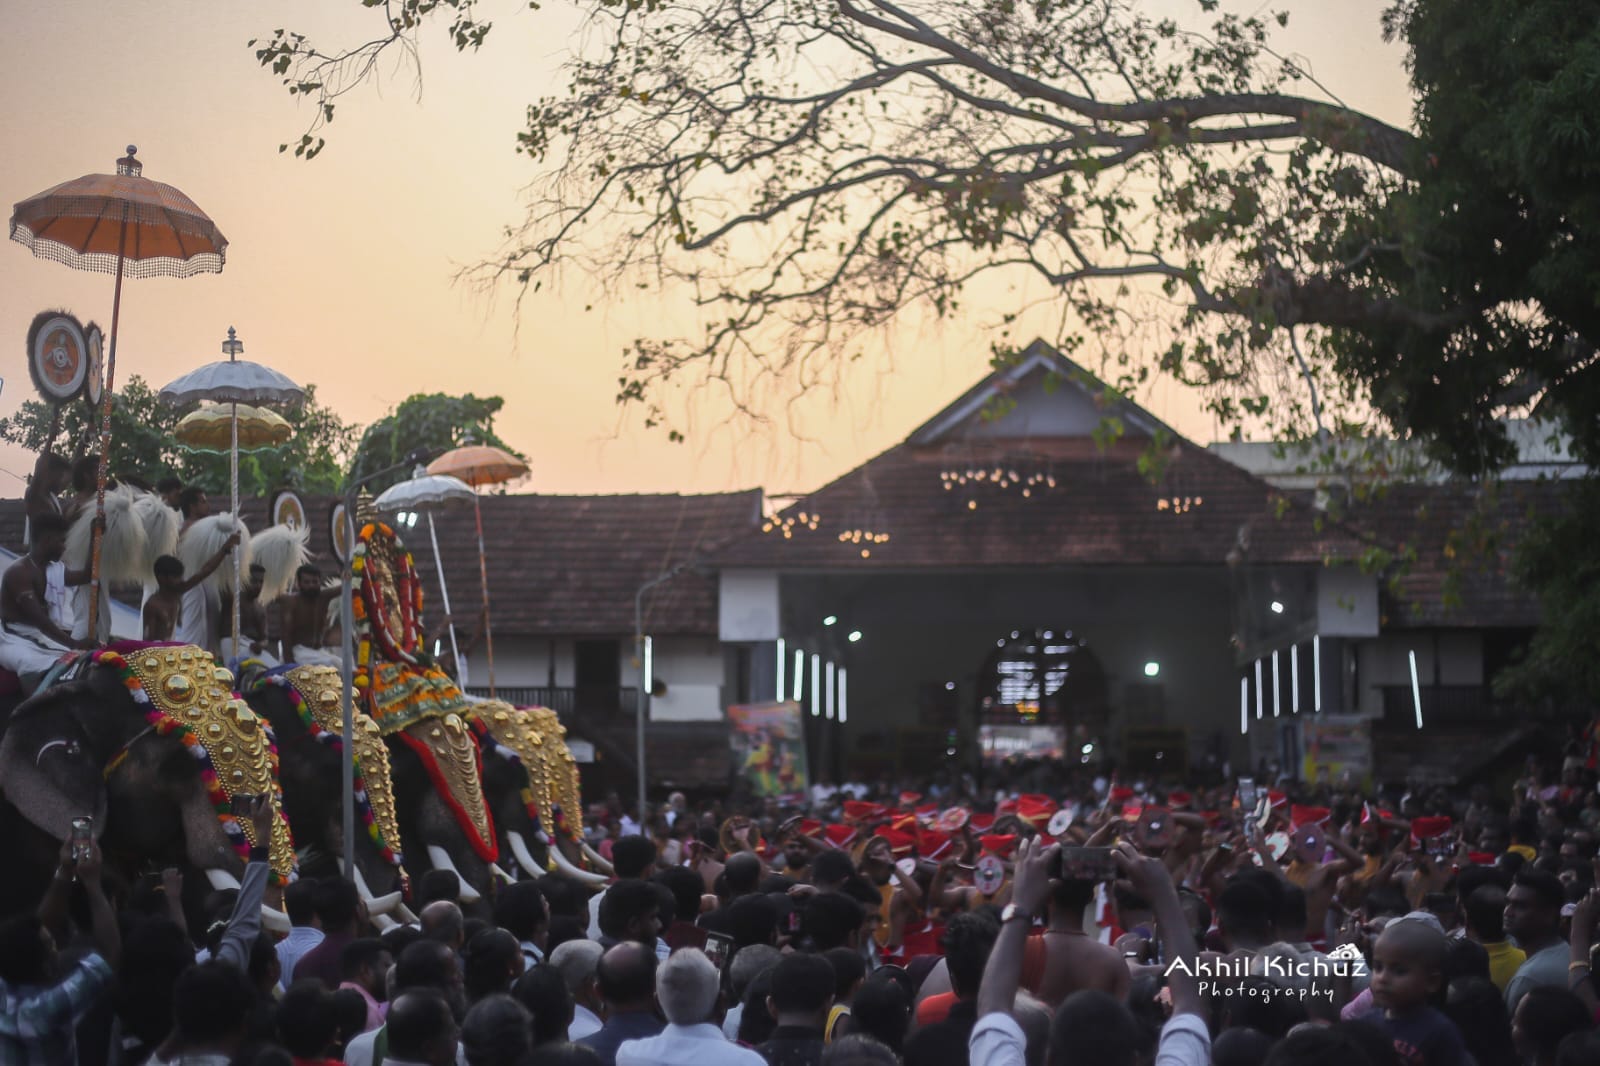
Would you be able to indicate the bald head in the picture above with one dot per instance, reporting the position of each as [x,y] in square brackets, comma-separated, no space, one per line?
[743,873]
[626,975]
[442,920]
[1417,942]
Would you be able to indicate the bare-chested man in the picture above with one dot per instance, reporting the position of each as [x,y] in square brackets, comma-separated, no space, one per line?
[305,617]
[164,609]
[51,476]
[32,637]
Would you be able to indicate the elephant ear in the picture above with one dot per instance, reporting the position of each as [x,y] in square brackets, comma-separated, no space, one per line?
[50,766]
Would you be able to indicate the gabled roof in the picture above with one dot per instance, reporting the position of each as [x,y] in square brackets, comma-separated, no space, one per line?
[1036,363]
[1087,504]
[558,565]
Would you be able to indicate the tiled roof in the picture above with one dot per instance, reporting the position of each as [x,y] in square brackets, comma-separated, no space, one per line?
[1095,507]
[1423,517]
[557,565]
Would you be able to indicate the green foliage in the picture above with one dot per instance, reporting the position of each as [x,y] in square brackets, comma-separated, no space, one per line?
[1560,560]
[142,444]
[428,421]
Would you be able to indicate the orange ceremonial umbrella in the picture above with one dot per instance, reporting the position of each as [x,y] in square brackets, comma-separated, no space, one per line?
[479,465]
[122,224]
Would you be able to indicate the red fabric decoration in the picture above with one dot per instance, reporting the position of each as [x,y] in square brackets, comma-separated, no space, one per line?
[1299,816]
[1428,828]
[932,844]
[1120,795]
[861,811]
[839,836]
[1178,800]
[1000,845]
[981,822]
[1035,809]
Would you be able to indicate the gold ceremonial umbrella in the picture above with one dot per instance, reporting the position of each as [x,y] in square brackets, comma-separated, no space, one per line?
[479,465]
[210,428]
[122,224]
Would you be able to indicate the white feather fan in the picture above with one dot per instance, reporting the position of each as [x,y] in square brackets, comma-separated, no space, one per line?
[204,539]
[161,524]
[282,549]
[124,551]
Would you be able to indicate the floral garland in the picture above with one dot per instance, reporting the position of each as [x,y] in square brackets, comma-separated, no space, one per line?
[363,805]
[371,621]
[164,725]
[487,739]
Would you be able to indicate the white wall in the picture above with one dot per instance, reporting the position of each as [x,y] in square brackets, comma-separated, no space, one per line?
[1347,602]
[747,605]
[1384,661]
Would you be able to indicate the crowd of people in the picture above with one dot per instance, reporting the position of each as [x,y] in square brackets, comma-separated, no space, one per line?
[1102,924]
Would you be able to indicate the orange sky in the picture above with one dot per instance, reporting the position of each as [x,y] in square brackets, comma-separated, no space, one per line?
[340,271]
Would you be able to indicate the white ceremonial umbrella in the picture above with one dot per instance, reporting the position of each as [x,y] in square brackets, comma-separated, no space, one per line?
[427,493]
[233,381]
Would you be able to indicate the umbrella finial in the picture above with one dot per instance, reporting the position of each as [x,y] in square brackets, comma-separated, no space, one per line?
[128,164]
[233,345]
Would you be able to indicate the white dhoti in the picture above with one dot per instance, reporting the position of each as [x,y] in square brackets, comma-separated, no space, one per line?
[305,655]
[193,618]
[25,650]
[80,599]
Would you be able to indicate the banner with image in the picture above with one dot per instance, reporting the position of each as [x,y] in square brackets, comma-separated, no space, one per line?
[769,747]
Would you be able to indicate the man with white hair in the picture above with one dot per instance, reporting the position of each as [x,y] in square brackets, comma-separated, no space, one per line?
[687,989]
[575,961]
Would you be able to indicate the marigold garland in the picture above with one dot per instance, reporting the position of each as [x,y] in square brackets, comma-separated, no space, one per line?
[165,725]
[487,739]
[363,805]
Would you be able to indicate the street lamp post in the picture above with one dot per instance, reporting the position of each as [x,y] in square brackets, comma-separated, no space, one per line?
[644,654]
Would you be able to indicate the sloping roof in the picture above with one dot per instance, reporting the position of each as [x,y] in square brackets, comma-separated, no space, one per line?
[1460,583]
[557,565]
[1087,504]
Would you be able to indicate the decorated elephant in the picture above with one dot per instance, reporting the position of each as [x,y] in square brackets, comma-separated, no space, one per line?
[302,704]
[531,782]
[150,742]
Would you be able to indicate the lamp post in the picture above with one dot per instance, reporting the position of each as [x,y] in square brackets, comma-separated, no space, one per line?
[644,654]
[347,637]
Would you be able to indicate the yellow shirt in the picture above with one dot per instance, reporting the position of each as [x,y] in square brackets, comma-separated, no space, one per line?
[1504,961]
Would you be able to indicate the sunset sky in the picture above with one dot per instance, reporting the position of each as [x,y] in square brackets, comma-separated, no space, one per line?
[340,271]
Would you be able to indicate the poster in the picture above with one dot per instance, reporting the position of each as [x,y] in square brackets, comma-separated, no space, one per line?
[1001,742]
[1337,748]
[769,746]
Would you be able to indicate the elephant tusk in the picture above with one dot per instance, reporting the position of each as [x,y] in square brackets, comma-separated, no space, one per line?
[524,857]
[383,904]
[599,863]
[222,880]
[383,923]
[566,867]
[441,861]
[274,920]
[375,904]
[404,914]
[496,870]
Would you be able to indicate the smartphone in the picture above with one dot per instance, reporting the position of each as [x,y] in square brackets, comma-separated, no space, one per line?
[242,804]
[1247,795]
[719,949]
[1086,864]
[793,926]
[82,837]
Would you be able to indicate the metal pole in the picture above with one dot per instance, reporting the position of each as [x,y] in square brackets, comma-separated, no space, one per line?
[483,579]
[238,525]
[92,632]
[444,597]
[643,710]
[347,651]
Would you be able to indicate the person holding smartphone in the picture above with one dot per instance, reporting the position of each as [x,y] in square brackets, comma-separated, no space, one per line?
[40,1007]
